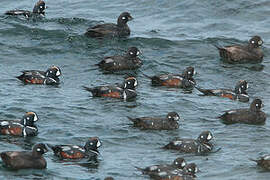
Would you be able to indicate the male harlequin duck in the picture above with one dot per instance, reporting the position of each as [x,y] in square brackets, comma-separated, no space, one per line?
[263,162]
[49,77]
[251,115]
[157,123]
[250,53]
[178,163]
[239,93]
[24,127]
[184,80]
[120,29]
[90,149]
[25,159]
[200,145]
[125,91]
[39,9]
[129,61]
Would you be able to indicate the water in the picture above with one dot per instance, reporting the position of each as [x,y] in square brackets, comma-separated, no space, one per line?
[172,35]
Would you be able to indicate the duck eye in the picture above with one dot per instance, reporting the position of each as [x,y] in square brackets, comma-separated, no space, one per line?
[260,42]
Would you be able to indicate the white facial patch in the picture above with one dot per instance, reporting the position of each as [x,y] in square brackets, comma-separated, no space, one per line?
[169,117]
[58,73]
[183,164]
[138,52]
[209,137]
[38,149]
[189,72]
[24,132]
[123,17]
[257,105]
[230,112]
[131,53]
[135,83]
[260,42]
[247,86]
[98,143]
[196,169]
[252,42]
[194,72]
[35,117]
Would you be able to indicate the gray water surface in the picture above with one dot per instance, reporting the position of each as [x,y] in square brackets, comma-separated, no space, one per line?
[172,35]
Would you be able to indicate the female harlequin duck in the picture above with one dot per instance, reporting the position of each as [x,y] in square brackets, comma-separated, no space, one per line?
[200,145]
[125,91]
[157,123]
[184,80]
[239,93]
[120,29]
[24,127]
[129,61]
[178,163]
[263,162]
[89,150]
[39,9]
[49,77]
[251,115]
[250,53]
[24,159]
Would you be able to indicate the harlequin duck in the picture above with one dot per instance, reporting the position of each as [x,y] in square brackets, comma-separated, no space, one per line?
[129,61]
[39,9]
[239,93]
[263,162]
[125,91]
[24,127]
[250,53]
[200,145]
[90,149]
[178,163]
[157,123]
[120,29]
[25,159]
[251,115]
[184,80]
[49,77]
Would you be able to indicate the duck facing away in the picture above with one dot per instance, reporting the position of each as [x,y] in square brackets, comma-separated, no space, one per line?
[250,53]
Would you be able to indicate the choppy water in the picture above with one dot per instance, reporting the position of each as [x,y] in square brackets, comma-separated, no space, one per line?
[172,34]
